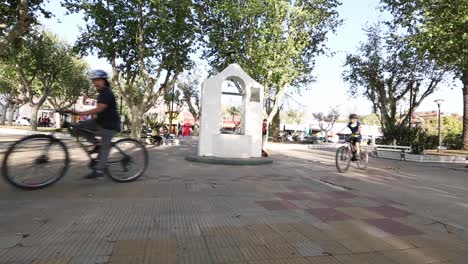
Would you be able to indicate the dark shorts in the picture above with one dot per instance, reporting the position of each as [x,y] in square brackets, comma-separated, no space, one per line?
[354,139]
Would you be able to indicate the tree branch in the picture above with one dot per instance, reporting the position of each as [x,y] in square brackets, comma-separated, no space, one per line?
[24,22]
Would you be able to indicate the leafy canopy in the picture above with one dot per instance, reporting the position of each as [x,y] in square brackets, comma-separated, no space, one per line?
[436,27]
[275,41]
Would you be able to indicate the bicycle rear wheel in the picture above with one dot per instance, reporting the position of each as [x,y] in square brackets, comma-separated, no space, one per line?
[343,159]
[128,160]
[364,161]
[35,162]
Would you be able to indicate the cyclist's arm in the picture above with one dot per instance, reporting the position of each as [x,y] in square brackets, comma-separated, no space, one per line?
[99,108]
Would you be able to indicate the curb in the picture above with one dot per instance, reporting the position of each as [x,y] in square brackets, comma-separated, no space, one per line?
[228,161]
[20,132]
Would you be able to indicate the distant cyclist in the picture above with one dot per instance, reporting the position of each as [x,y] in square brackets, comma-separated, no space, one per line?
[355,126]
[105,125]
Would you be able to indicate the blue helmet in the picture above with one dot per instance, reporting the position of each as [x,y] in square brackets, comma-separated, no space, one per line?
[98,74]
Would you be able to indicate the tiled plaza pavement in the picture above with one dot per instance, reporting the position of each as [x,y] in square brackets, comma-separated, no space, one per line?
[187,213]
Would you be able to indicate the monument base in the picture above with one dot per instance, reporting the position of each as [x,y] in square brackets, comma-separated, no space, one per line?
[228,161]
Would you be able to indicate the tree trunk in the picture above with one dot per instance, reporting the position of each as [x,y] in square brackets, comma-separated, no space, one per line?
[58,120]
[11,113]
[34,111]
[465,110]
[275,126]
[4,111]
[136,125]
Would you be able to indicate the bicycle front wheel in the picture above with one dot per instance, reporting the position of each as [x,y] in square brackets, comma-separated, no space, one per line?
[128,160]
[343,159]
[362,163]
[35,162]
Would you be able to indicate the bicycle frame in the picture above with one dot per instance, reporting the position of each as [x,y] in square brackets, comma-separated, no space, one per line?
[352,147]
[68,125]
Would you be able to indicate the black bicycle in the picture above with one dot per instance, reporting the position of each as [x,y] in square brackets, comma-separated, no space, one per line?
[347,153]
[37,161]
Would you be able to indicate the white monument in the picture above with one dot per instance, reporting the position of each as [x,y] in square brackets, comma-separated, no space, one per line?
[248,144]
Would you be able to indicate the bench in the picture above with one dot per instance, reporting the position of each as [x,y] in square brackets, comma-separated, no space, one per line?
[392,148]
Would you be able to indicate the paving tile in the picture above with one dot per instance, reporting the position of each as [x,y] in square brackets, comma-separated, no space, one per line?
[334,203]
[309,249]
[65,260]
[222,230]
[314,204]
[363,202]
[284,251]
[397,242]
[256,253]
[90,259]
[323,260]
[415,256]
[359,213]
[276,205]
[356,246]
[341,195]
[393,227]
[282,261]
[227,255]
[259,229]
[389,211]
[293,236]
[311,232]
[350,259]
[292,196]
[191,243]
[328,214]
[194,256]
[381,244]
[301,188]
[366,258]
[222,241]
[330,247]
[273,238]
[355,229]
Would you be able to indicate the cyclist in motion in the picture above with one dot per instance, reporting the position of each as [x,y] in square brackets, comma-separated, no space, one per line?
[106,124]
[355,126]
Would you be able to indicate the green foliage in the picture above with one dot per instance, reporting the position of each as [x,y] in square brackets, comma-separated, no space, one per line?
[436,27]
[417,138]
[275,41]
[8,80]
[451,130]
[73,83]
[386,70]
[292,116]
[16,17]
[43,65]
[191,94]
[147,43]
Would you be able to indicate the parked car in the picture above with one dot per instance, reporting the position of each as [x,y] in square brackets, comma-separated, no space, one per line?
[23,121]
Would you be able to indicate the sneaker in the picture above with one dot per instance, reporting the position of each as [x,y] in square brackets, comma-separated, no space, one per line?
[94,175]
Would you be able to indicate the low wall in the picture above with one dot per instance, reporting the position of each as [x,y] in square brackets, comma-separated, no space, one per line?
[422,157]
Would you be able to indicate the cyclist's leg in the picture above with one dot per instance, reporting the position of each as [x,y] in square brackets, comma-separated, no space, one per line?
[357,145]
[89,125]
[106,143]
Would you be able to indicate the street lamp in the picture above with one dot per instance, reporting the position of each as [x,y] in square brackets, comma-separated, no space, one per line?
[439,102]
